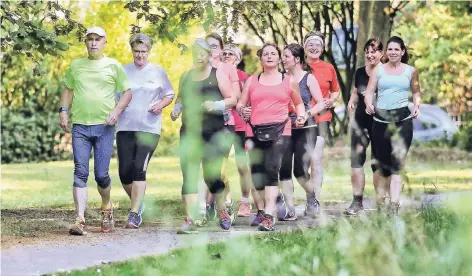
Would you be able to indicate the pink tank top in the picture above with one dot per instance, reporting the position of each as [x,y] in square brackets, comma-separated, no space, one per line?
[270,104]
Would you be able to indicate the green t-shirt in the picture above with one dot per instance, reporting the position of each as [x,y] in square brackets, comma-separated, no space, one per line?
[95,83]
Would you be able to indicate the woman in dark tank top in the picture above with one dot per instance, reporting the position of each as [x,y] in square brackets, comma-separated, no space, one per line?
[301,148]
[361,128]
[204,94]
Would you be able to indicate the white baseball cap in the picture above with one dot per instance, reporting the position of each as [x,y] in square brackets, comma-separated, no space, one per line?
[96,30]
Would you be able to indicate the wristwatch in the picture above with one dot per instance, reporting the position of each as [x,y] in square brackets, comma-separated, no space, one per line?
[308,114]
[63,108]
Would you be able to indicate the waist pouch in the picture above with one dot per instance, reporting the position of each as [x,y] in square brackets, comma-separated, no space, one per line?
[268,132]
[392,115]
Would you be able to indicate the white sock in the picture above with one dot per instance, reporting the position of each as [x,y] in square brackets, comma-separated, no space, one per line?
[245,199]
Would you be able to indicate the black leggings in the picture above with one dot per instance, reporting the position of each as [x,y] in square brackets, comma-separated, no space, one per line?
[361,136]
[300,147]
[210,149]
[266,160]
[135,149]
[391,144]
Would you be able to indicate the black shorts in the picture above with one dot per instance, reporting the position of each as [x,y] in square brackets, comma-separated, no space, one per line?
[266,160]
[361,136]
[299,148]
[135,149]
[210,149]
[391,144]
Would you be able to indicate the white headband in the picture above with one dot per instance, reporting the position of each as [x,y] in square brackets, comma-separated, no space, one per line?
[314,37]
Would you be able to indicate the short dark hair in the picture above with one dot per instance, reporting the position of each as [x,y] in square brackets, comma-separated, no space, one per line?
[217,37]
[375,43]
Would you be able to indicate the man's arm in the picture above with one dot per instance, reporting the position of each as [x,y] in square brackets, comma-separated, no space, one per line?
[66,102]
[120,106]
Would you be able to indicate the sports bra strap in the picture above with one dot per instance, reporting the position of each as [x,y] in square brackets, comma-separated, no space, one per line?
[259,76]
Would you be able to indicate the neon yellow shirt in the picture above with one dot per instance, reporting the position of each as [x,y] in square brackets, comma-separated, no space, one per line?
[95,83]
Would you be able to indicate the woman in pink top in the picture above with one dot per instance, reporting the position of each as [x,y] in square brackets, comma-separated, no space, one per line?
[269,95]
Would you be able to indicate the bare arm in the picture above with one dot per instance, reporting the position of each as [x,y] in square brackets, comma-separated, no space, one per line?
[353,100]
[298,103]
[244,99]
[415,87]
[370,91]
[227,89]
[316,94]
[66,101]
[120,106]
[174,114]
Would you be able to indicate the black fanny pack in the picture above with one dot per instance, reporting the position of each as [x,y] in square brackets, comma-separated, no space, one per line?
[268,132]
[392,115]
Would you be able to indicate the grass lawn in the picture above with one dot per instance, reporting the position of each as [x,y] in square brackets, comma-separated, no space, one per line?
[428,242]
[43,190]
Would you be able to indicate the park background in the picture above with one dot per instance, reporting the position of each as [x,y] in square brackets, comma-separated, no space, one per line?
[39,40]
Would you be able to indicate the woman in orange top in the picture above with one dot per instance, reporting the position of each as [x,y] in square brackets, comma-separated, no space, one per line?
[328,81]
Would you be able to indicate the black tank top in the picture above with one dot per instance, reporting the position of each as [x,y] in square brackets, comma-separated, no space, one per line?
[197,92]
[306,98]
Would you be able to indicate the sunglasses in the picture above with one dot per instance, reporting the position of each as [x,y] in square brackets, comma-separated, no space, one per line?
[229,54]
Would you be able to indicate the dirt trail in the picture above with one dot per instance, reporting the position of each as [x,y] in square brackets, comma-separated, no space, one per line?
[61,252]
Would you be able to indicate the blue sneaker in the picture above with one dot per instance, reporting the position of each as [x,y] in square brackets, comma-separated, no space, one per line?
[258,218]
[225,219]
[134,221]
[291,214]
[282,210]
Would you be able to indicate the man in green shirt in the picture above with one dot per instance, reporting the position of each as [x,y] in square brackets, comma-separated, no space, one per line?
[91,83]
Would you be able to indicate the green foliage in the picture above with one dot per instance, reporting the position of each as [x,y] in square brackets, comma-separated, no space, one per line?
[30,136]
[32,28]
[439,37]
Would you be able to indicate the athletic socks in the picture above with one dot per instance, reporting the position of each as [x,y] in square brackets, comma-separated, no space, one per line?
[245,199]
[358,198]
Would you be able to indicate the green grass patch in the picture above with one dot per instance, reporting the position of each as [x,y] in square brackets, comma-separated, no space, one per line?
[432,241]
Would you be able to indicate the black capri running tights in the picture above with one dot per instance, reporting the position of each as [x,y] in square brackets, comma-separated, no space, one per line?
[266,159]
[361,136]
[391,144]
[210,150]
[135,149]
[300,147]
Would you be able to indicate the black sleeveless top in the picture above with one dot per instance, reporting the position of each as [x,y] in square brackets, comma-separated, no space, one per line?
[306,98]
[194,93]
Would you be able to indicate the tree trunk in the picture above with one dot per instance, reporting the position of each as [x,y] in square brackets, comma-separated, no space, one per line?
[374,21]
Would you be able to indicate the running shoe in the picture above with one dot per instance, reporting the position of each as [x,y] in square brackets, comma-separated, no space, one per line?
[355,208]
[188,227]
[211,211]
[78,228]
[134,221]
[291,214]
[225,219]
[282,209]
[312,207]
[244,209]
[108,223]
[267,224]
[258,218]
[230,210]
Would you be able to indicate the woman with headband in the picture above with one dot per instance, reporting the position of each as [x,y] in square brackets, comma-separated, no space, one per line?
[301,149]
[233,55]
[393,127]
[204,93]
[328,81]
[361,126]
[269,95]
